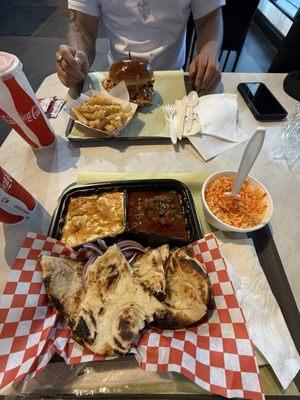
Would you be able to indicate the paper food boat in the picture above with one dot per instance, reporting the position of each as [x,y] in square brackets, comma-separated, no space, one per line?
[119,94]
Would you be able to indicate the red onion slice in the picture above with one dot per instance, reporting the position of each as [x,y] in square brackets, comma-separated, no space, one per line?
[129,248]
[132,248]
[102,245]
[128,253]
[131,259]
[130,244]
[91,260]
[93,247]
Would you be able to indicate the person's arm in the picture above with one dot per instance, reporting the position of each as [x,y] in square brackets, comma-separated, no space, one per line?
[205,67]
[76,57]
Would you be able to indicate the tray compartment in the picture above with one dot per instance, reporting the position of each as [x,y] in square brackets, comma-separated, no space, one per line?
[59,217]
[145,238]
[160,205]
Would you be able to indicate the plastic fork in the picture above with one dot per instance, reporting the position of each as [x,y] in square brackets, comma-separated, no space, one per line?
[170,109]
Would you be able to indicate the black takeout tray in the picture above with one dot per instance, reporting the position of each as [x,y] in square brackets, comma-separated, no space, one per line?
[146,239]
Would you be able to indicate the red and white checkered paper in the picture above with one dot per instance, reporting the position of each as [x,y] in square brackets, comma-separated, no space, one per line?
[216,354]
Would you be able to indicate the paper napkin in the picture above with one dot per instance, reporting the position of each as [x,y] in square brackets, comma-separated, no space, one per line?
[215,115]
[265,321]
[219,127]
[215,127]
[209,146]
[218,114]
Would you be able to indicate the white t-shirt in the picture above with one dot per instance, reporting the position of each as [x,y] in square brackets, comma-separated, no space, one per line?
[152,29]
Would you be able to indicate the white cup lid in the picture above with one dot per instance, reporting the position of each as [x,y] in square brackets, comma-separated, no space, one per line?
[8,62]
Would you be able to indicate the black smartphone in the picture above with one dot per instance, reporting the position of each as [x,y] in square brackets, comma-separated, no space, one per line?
[262,103]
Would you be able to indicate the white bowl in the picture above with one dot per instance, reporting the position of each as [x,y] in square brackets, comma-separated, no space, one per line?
[217,223]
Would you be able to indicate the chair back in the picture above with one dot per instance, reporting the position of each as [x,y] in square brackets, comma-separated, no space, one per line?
[190,42]
[237,17]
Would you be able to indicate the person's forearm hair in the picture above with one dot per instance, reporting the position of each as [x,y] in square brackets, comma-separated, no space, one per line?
[80,38]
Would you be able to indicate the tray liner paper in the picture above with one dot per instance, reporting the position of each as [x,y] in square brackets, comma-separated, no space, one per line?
[216,354]
[150,121]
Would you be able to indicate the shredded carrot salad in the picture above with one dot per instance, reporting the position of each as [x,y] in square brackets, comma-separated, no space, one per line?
[244,213]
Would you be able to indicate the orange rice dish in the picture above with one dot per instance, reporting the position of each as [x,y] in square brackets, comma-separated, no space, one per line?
[244,213]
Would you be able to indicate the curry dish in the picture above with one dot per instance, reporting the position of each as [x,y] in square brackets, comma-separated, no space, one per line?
[92,217]
[158,212]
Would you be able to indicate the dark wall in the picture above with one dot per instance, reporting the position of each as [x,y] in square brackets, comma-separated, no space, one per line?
[6,5]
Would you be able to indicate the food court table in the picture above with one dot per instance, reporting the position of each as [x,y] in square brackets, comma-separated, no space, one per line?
[46,173]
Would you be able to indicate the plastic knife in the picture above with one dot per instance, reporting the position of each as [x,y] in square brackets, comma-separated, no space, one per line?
[181,111]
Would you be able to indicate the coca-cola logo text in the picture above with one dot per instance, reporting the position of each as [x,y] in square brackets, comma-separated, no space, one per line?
[31,115]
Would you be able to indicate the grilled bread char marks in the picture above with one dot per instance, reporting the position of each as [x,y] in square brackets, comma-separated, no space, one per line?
[63,282]
[149,267]
[188,291]
[116,306]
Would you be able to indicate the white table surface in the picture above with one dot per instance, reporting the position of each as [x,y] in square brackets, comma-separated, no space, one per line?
[46,173]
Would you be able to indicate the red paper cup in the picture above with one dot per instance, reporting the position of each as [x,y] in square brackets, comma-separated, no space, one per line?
[16,204]
[19,106]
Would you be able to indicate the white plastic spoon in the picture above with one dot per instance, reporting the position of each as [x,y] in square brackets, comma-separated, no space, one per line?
[250,155]
[192,101]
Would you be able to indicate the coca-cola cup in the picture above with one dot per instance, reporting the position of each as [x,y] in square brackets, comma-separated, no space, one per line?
[16,204]
[19,106]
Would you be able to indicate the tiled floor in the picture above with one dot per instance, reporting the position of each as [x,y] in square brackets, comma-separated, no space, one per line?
[37,51]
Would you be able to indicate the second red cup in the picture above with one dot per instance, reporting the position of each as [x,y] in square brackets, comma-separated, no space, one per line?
[16,203]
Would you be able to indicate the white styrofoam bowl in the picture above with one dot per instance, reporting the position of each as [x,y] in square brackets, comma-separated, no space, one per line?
[217,223]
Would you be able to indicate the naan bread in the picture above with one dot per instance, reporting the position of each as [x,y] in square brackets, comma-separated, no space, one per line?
[114,308]
[63,283]
[119,300]
[188,291]
[149,267]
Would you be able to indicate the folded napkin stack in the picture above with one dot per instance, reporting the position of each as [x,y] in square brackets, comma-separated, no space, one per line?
[215,127]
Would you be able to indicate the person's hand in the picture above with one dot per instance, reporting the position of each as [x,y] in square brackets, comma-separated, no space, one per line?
[71,66]
[205,69]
